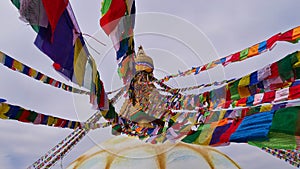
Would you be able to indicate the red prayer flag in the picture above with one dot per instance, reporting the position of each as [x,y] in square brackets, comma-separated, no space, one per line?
[226,136]
[274,71]
[24,115]
[235,57]
[242,102]
[268,97]
[203,68]
[271,41]
[294,92]
[287,36]
[111,18]
[227,104]
[102,96]
[54,9]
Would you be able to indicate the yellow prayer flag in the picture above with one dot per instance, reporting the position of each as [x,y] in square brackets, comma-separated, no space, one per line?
[222,114]
[244,92]
[2,57]
[18,65]
[87,126]
[3,109]
[50,121]
[174,118]
[55,121]
[206,134]
[104,113]
[128,4]
[43,78]
[76,125]
[33,73]
[80,59]
[266,107]
[245,81]
[94,69]
[297,64]
[69,124]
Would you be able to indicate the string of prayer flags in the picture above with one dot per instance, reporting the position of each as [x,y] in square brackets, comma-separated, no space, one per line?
[249,90]
[269,125]
[216,98]
[276,75]
[12,112]
[292,35]
[59,154]
[201,86]
[63,150]
[290,156]
[15,65]
[284,130]
[273,96]
[41,161]
[191,102]
[75,135]
[117,21]
[73,59]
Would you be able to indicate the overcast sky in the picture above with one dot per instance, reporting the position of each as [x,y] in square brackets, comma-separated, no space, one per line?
[177,34]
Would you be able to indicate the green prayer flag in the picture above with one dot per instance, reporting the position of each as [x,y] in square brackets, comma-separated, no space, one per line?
[32,116]
[116,129]
[233,88]
[285,68]
[36,28]
[206,113]
[201,98]
[286,120]
[19,114]
[277,140]
[244,54]
[297,72]
[294,58]
[16,3]
[253,110]
[111,114]
[192,137]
